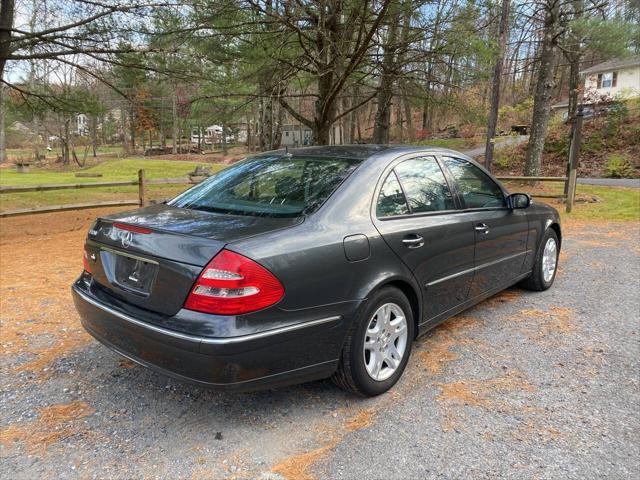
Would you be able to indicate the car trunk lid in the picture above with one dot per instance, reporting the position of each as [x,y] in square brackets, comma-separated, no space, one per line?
[151,257]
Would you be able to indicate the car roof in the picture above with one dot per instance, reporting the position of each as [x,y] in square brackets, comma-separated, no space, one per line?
[360,152]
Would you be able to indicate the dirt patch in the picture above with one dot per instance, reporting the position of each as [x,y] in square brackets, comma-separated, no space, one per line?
[487,393]
[40,257]
[543,325]
[505,296]
[596,243]
[20,229]
[54,423]
[539,432]
[126,363]
[438,348]
[361,420]
[299,467]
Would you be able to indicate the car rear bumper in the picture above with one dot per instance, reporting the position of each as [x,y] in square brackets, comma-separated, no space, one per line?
[276,357]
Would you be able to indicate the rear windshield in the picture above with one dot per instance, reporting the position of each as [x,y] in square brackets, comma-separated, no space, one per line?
[271,186]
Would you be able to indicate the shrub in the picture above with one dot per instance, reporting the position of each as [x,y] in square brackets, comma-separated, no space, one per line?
[618,166]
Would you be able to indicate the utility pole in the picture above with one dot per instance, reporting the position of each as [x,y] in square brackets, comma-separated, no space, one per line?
[495,89]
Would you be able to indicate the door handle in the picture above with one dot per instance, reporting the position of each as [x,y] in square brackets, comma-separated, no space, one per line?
[413,241]
[482,228]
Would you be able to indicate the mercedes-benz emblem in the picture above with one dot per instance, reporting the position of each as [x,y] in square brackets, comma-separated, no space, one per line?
[126,238]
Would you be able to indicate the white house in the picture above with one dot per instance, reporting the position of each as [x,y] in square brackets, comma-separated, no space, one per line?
[617,78]
[299,135]
[82,124]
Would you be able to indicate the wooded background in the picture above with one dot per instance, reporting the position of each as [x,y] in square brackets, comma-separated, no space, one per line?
[146,72]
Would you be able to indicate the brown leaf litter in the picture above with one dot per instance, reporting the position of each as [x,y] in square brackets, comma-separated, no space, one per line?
[54,423]
[299,466]
[37,315]
[480,394]
[542,325]
[437,352]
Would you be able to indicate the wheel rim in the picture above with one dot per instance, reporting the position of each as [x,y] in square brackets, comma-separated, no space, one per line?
[549,259]
[385,341]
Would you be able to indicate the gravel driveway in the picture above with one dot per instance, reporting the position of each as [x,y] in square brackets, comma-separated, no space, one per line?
[524,385]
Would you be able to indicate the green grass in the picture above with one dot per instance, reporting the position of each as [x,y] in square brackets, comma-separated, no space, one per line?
[614,203]
[15,201]
[14,154]
[112,170]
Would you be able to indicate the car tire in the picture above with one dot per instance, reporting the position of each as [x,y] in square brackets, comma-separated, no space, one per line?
[354,373]
[539,280]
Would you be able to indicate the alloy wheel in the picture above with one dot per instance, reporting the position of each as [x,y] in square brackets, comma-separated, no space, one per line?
[385,341]
[549,259]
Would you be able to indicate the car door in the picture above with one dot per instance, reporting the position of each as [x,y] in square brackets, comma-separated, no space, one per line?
[416,214]
[500,232]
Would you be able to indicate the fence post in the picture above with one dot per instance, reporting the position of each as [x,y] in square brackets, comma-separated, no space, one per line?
[574,155]
[141,188]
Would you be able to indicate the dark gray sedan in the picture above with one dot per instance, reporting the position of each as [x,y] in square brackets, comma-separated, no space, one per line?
[318,262]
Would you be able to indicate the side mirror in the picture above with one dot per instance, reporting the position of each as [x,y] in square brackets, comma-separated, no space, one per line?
[518,200]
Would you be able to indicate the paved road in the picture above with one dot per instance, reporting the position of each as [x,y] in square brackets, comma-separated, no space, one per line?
[524,385]
[611,182]
[503,142]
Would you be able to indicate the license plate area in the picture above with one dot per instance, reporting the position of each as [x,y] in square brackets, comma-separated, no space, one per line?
[129,272]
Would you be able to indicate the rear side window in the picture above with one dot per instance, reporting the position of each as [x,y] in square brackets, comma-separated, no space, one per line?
[477,189]
[391,200]
[424,185]
[270,187]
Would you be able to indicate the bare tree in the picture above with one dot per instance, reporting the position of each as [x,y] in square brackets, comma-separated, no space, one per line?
[334,38]
[387,77]
[544,87]
[495,88]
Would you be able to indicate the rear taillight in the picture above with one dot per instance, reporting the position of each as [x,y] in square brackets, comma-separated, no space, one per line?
[85,262]
[232,284]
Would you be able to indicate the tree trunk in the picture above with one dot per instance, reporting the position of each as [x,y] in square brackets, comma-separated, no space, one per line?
[103,129]
[123,130]
[387,80]
[266,123]
[132,128]
[94,134]
[353,120]
[6,24]
[495,88]
[425,109]
[322,134]
[224,140]
[277,130]
[174,121]
[399,120]
[411,132]
[65,143]
[543,92]
[574,56]
[3,138]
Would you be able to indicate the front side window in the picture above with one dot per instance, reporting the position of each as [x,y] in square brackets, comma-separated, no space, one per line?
[424,185]
[271,187]
[607,80]
[477,189]
[391,200]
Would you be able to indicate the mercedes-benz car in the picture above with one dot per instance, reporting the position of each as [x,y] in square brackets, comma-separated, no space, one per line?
[311,263]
